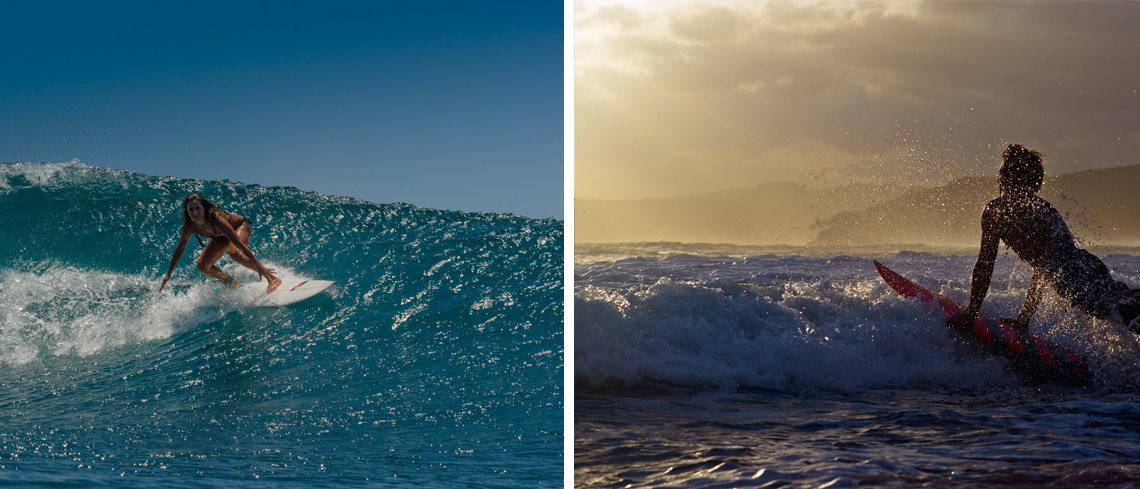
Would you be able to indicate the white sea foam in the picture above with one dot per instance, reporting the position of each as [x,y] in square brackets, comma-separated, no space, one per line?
[59,310]
[793,322]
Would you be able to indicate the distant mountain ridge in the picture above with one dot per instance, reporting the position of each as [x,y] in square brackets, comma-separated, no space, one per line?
[1101,206]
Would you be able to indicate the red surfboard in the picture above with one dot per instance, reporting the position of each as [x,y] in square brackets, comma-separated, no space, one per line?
[1037,356]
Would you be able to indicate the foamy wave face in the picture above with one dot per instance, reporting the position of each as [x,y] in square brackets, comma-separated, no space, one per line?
[68,311]
[761,325]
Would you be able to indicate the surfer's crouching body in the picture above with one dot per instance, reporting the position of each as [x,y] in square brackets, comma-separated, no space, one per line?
[228,232]
[1035,231]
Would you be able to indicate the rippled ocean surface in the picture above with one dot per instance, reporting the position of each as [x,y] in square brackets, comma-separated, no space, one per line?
[778,369]
[435,359]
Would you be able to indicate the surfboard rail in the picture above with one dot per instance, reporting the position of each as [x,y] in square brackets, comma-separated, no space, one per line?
[1041,356]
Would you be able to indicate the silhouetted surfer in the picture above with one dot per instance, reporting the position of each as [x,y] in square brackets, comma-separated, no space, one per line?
[1034,230]
[227,232]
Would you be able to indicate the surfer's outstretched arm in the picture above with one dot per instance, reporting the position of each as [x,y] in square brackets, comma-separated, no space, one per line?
[983,268]
[983,272]
[182,240]
[1032,299]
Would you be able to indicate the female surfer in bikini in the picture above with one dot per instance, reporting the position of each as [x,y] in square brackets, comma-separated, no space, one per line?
[1035,231]
[227,232]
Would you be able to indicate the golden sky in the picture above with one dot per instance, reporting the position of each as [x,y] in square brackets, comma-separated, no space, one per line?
[678,98]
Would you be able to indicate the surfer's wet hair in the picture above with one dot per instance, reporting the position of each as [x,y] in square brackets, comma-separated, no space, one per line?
[1023,167]
[207,206]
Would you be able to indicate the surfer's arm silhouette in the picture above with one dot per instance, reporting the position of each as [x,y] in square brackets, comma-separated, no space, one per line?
[1033,295]
[983,272]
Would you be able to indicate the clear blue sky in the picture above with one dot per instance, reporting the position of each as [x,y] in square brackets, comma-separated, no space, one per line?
[452,105]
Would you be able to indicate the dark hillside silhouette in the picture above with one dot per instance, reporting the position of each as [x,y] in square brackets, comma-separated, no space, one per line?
[1102,207]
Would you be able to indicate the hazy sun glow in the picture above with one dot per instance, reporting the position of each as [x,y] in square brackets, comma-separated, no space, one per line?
[679,99]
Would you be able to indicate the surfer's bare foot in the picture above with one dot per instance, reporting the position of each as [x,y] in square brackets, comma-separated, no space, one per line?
[273,284]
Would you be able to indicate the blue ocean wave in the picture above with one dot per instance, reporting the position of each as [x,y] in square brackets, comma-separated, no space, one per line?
[436,358]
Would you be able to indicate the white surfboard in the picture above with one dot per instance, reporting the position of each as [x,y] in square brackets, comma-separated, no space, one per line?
[291,291]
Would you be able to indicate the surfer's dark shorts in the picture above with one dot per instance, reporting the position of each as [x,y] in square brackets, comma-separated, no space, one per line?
[1084,280]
